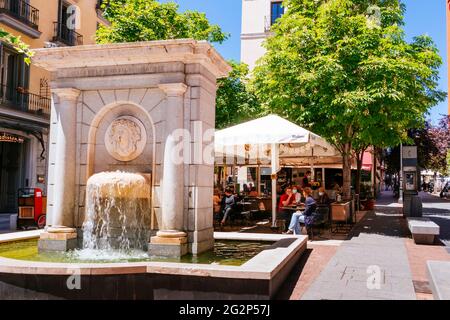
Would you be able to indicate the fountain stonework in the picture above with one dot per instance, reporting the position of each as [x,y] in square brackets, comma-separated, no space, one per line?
[116,108]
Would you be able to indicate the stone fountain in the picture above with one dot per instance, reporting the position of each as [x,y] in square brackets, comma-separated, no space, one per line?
[115,187]
[112,178]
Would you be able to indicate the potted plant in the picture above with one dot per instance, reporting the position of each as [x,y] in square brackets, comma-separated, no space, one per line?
[370,203]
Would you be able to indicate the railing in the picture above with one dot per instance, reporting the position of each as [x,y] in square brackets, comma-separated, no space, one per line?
[22,11]
[67,36]
[22,100]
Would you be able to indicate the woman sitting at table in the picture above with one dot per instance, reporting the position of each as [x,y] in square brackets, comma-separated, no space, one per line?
[323,199]
[304,217]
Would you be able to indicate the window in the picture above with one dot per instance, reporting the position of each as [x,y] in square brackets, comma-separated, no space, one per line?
[276,11]
[14,74]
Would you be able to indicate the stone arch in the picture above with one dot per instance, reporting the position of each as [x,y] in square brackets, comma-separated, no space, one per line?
[94,126]
[109,109]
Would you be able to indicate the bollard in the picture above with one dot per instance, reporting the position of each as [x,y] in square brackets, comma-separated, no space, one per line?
[13,222]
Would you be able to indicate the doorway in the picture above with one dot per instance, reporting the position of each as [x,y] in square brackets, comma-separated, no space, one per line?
[12,174]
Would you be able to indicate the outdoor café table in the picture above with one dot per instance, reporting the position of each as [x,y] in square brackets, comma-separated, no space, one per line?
[287,213]
[245,203]
[294,208]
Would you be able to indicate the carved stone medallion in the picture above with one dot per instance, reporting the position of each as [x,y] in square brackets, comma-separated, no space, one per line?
[125,138]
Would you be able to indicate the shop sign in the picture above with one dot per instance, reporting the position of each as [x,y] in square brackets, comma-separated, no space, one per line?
[7,137]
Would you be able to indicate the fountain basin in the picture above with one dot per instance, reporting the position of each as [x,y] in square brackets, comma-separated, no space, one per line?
[258,278]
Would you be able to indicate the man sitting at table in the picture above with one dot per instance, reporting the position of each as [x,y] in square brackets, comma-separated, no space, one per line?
[304,217]
[286,199]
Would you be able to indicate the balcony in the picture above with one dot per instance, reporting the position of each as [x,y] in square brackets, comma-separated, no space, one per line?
[63,35]
[22,11]
[19,99]
[18,14]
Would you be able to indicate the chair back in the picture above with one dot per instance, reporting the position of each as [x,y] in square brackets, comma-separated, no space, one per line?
[322,215]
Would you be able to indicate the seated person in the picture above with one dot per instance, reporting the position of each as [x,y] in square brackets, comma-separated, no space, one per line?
[297,191]
[253,192]
[323,200]
[305,216]
[216,201]
[286,199]
[227,205]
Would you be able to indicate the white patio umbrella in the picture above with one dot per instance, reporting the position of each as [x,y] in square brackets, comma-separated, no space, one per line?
[265,140]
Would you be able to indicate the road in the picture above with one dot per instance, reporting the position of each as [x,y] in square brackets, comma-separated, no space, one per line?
[4,222]
[438,210]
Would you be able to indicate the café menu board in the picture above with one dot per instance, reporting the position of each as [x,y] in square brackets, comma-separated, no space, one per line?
[7,137]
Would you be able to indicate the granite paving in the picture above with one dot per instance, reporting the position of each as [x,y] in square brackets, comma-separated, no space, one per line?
[373,264]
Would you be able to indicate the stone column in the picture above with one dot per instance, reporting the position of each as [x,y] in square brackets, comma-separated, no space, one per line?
[61,236]
[65,157]
[171,240]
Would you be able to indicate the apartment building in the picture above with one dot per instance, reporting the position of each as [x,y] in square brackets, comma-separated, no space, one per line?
[257,18]
[24,89]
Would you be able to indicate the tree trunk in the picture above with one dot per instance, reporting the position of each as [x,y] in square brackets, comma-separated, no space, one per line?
[347,171]
[359,162]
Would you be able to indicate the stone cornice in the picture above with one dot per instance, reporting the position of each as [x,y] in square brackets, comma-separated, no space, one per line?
[173,89]
[66,93]
[120,54]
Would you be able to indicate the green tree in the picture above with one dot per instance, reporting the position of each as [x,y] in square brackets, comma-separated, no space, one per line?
[145,20]
[432,143]
[16,43]
[343,69]
[235,102]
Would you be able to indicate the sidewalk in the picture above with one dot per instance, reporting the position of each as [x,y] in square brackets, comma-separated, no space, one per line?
[377,248]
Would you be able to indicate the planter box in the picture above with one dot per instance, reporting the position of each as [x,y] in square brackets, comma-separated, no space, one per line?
[340,211]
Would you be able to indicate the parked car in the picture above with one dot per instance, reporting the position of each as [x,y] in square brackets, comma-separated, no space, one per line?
[445,193]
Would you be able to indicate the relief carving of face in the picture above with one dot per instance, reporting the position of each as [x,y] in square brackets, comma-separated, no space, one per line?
[125,138]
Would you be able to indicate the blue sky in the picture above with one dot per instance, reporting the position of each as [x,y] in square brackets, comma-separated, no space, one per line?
[422,17]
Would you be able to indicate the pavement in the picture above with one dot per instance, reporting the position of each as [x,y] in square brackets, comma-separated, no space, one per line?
[373,264]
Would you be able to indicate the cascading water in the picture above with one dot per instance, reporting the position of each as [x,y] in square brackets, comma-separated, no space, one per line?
[117,212]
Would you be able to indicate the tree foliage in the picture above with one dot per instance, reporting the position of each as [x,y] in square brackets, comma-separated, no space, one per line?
[146,20]
[16,43]
[432,143]
[235,102]
[343,69]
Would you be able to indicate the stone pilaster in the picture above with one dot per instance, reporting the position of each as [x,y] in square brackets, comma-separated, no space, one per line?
[171,240]
[65,157]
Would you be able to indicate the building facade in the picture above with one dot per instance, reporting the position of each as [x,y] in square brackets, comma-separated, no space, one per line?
[257,18]
[24,91]
[448,49]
